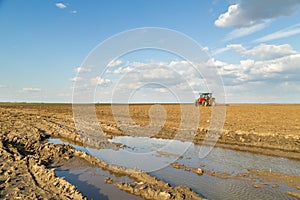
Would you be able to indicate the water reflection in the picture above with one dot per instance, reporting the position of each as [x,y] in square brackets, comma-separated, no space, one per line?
[155,155]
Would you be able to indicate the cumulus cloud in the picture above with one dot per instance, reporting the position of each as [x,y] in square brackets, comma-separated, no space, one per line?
[287,32]
[177,75]
[267,51]
[263,71]
[229,18]
[31,89]
[177,79]
[248,13]
[237,47]
[100,81]
[82,70]
[114,63]
[121,70]
[60,5]
[153,73]
[273,70]
[205,48]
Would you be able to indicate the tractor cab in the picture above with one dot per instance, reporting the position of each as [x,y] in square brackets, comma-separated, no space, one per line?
[205,99]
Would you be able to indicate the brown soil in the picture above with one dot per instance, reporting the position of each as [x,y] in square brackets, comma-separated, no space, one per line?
[266,129]
[25,155]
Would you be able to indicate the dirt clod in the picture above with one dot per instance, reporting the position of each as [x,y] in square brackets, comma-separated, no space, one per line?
[108,180]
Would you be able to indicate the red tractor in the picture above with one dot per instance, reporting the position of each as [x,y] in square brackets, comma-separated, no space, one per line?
[205,99]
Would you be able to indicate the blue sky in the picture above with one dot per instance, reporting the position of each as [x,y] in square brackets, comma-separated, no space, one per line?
[255,46]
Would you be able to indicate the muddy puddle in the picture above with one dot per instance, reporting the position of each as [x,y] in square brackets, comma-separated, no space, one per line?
[92,181]
[227,174]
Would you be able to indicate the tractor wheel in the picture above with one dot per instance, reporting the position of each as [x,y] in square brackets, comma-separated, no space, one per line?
[213,103]
[196,103]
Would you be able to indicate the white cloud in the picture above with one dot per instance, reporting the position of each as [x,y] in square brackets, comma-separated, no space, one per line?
[60,5]
[250,76]
[75,79]
[181,63]
[205,48]
[237,47]
[101,81]
[287,32]
[229,18]
[31,89]
[82,70]
[273,70]
[121,70]
[248,13]
[177,79]
[114,63]
[178,75]
[267,51]
[284,65]
[73,11]
[217,63]
[3,86]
